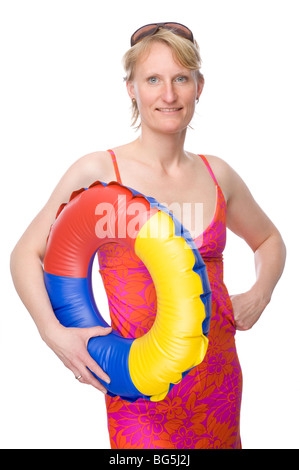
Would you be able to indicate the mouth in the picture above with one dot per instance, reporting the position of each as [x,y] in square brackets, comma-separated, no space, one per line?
[169,110]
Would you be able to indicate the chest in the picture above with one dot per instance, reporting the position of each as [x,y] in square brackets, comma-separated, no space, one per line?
[192,197]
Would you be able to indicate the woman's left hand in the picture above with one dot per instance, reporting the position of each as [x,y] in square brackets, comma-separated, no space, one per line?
[247,308]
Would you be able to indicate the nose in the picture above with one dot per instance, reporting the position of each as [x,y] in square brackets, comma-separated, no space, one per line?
[169,94]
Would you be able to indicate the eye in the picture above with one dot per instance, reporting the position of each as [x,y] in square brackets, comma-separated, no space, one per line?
[153,80]
[181,79]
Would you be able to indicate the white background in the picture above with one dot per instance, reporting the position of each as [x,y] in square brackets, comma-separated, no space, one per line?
[63,96]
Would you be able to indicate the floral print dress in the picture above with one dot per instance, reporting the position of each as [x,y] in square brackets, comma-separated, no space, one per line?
[203,410]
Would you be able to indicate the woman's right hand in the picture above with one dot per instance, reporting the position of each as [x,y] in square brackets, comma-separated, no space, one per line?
[70,345]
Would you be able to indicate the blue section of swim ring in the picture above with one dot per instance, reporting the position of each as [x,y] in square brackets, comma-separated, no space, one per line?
[74,306]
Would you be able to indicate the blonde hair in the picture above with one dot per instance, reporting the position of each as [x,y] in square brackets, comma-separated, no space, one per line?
[184,50]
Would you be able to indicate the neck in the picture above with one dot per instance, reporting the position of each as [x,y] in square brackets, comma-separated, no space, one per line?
[164,150]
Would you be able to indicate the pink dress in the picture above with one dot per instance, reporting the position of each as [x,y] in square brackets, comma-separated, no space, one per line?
[203,410]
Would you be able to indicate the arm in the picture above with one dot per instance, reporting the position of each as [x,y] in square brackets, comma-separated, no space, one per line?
[269,262]
[70,344]
[247,220]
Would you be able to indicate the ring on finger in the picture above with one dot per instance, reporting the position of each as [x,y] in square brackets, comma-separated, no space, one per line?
[78,377]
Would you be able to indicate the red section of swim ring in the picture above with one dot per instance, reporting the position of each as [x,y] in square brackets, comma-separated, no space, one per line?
[100,214]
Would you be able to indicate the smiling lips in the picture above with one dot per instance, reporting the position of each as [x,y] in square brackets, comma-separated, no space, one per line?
[169,110]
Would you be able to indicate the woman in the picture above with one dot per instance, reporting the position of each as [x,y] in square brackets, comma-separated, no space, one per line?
[203,411]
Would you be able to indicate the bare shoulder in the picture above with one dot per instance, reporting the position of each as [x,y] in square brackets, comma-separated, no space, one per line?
[95,166]
[218,164]
[225,175]
[91,167]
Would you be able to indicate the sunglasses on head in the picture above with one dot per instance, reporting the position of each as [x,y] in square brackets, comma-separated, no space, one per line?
[150,29]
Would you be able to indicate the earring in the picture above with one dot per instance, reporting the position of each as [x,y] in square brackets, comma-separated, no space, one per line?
[197,101]
[133,101]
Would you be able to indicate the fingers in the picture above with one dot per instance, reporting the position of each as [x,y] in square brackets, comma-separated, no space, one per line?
[87,378]
[84,375]
[90,365]
[70,345]
[97,331]
[97,370]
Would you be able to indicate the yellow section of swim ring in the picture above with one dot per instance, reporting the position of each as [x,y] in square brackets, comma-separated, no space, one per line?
[175,343]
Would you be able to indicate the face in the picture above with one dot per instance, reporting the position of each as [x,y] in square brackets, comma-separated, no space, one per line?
[165,91]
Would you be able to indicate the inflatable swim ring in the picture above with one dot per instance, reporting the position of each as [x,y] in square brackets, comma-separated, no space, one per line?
[149,366]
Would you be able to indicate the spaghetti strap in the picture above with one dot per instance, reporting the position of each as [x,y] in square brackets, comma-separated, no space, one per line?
[117,174]
[118,178]
[209,168]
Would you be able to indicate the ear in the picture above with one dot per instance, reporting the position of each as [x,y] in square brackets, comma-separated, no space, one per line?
[200,85]
[130,89]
